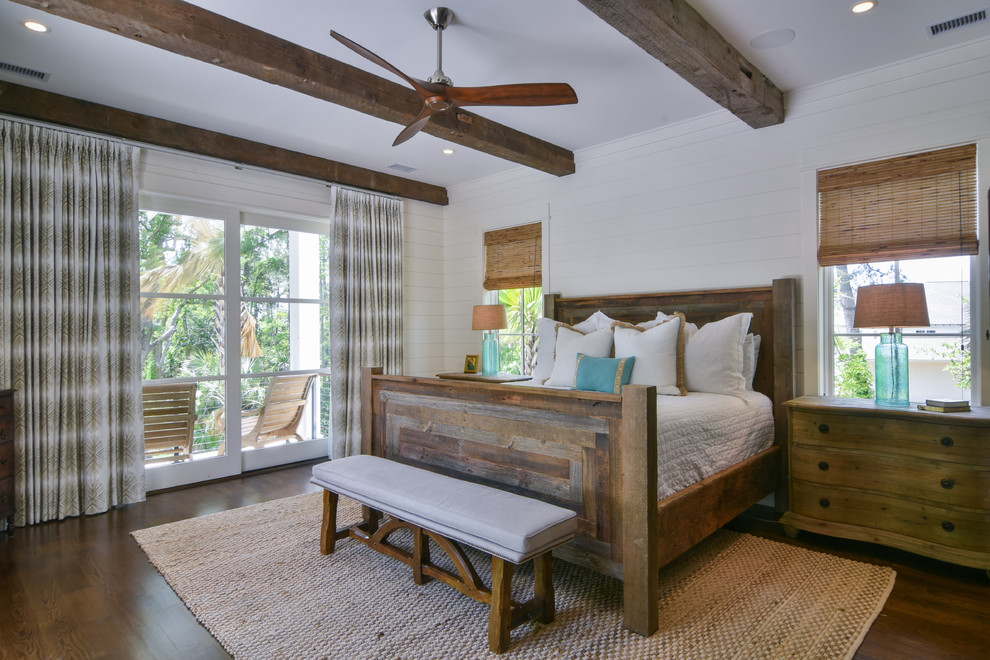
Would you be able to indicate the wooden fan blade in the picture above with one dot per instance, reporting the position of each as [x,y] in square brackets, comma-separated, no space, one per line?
[519,94]
[425,89]
[416,126]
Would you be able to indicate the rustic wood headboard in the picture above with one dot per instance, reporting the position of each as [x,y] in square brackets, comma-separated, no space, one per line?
[774,319]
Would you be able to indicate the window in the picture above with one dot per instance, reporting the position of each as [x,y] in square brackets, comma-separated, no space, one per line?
[282,302]
[905,219]
[182,320]
[514,275]
[940,364]
[518,342]
[285,295]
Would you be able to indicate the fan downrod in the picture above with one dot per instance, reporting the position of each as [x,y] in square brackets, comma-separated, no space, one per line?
[439,18]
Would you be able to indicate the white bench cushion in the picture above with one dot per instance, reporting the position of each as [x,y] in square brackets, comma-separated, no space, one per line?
[500,523]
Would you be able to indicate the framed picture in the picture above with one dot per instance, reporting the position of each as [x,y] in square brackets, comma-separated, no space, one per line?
[471,364]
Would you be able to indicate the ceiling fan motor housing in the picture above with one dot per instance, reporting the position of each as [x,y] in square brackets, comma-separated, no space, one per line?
[439,18]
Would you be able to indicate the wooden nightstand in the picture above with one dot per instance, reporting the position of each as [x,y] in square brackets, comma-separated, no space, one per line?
[7,459]
[902,477]
[497,378]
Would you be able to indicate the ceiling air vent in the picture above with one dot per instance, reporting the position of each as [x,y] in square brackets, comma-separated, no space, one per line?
[24,71]
[956,23]
[402,168]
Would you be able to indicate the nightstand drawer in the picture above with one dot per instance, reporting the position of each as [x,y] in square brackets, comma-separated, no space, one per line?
[6,495]
[928,439]
[944,483]
[966,530]
[6,459]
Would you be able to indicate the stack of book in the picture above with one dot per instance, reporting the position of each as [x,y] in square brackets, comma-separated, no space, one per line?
[945,405]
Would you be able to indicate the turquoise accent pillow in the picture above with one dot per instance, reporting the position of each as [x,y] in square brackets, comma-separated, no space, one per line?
[598,374]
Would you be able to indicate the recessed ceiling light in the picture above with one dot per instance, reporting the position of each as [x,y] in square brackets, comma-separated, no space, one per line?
[772,38]
[448,151]
[861,7]
[35,26]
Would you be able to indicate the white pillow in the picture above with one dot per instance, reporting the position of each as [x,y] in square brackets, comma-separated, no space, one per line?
[656,351]
[751,353]
[713,355]
[547,330]
[597,321]
[661,317]
[570,342]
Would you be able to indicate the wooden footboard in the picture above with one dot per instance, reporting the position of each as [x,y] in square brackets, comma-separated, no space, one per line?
[561,447]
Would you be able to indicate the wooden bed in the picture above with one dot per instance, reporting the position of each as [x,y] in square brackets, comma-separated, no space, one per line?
[594,453]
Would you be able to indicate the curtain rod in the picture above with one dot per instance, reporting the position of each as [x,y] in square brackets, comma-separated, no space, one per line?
[190,154]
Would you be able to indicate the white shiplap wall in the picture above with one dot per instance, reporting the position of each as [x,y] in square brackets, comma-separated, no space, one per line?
[711,202]
[266,193]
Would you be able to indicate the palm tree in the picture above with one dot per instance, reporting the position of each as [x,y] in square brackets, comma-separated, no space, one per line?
[523,309]
[200,267]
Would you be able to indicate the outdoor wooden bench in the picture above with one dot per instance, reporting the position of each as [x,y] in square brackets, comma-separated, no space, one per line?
[511,528]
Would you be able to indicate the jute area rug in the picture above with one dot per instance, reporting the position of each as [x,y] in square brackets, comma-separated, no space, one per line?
[256,579]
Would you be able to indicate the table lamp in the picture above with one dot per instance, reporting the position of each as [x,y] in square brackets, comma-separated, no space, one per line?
[489,318]
[891,306]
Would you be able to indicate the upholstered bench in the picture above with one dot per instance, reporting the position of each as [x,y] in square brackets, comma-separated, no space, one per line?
[511,528]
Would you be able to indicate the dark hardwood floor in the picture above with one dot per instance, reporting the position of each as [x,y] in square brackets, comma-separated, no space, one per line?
[82,588]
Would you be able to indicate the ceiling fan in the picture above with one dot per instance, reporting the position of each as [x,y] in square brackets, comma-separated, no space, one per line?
[439,93]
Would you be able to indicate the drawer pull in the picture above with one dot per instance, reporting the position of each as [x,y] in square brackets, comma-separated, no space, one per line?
[946,441]
[3,435]
[824,502]
[3,461]
[823,428]
[823,465]
[948,526]
[3,496]
[948,483]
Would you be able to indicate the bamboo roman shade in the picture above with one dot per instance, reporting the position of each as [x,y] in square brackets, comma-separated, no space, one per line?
[514,257]
[912,207]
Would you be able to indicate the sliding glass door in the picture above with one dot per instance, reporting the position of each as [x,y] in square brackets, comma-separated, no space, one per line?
[234,303]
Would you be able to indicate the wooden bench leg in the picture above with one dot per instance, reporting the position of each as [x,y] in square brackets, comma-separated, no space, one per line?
[372,519]
[500,616]
[328,530]
[543,569]
[421,555]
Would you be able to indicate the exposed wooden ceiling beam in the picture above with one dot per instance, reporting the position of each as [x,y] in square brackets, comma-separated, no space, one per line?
[677,35]
[66,111]
[185,29]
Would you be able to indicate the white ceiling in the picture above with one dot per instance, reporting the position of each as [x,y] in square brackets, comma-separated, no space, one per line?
[621,90]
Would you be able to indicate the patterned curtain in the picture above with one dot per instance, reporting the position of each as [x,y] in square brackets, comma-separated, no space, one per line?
[365,304]
[69,321]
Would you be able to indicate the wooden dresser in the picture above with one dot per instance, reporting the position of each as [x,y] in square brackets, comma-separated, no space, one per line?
[902,477]
[7,459]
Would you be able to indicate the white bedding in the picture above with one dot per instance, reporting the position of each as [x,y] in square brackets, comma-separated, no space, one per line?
[700,434]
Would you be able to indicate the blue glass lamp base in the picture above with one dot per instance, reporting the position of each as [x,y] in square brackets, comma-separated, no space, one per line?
[489,356]
[892,371]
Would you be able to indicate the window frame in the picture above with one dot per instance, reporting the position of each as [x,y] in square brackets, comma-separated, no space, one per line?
[828,334]
[494,298]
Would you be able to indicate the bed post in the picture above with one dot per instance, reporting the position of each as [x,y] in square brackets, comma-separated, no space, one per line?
[367,409]
[785,375]
[640,534]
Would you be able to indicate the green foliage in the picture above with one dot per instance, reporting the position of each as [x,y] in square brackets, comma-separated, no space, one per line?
[264,262]
[853,376]
[958,358]
[959,365]
[517,343]
[155,229]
